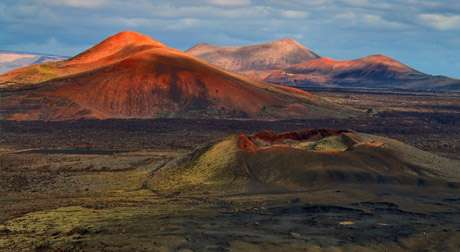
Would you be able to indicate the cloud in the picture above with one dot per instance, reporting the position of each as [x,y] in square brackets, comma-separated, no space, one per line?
[294,14]
[379,21]
[410,30]
[77,3]
[440,21]
[230,3]
[368,20]
[357,2]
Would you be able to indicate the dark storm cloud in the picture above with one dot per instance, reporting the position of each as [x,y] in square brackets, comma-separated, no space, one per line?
[421,33]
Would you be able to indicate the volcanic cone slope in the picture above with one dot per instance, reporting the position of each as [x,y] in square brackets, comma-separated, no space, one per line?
[375,71]
[130,75]
[269,162]
[274,55]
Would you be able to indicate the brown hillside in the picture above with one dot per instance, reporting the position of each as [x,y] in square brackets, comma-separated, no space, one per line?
[131,76]
[274,55]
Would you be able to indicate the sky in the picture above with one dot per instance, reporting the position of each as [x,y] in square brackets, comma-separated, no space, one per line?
[424,34]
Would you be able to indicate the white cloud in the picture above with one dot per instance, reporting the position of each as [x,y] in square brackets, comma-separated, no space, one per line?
[369,20]
[230,3]
[294,14]
[379,21]
[359,3]
[129,22]
[204,11]
[184,23]
[159,24]
[440,21]
[77,3]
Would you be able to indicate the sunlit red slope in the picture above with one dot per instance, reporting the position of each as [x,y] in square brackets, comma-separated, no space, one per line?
[132,76]
[112,49]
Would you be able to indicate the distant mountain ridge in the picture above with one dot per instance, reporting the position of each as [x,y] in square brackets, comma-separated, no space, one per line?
[290,63]
[130,75]
[10,60]
[273,55]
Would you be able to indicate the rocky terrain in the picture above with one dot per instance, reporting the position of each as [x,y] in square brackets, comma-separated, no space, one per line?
[89,185]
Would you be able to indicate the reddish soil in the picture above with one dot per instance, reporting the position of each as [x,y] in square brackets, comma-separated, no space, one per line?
[274,55]
[244,143]
[130,75]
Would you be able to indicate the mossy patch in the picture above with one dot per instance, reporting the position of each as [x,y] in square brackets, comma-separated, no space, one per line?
[38,73]
[329,144]
[60,227]
[210,168]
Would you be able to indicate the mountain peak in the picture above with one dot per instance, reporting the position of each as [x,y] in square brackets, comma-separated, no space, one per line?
[130,37]
[387,61]
[114,44]
[199,45]
[291,43]
[201,48]
[378,57]
[286,41]
[270,55]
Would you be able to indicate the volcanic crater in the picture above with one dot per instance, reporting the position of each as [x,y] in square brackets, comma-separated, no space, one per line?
[301,160]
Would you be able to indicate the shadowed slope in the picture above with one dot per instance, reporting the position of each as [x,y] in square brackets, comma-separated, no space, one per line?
[371,71]
[376,71]
[267,162]
[142,78]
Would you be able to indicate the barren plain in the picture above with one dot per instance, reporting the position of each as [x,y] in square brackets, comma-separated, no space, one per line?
[81,186]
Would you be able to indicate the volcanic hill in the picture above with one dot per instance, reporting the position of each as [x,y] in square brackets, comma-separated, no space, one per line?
[113,49]
[312,158]
[255,60]
[375,71]
[296,65]
[130,75]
